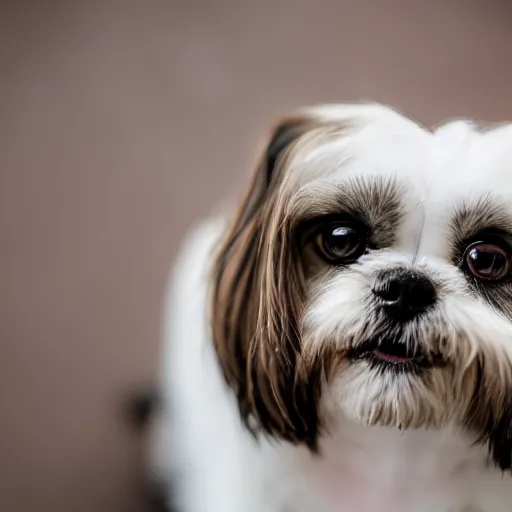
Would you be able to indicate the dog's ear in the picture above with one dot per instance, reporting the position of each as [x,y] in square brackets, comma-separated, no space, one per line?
[258,294]
[490,416]
[500,438]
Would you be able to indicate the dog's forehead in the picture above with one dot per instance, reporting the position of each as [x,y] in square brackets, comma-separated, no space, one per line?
[455,159]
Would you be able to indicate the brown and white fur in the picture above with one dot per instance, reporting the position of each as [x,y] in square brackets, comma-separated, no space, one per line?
[279,393]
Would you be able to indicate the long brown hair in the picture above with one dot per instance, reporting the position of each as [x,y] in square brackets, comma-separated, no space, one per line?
[257,300]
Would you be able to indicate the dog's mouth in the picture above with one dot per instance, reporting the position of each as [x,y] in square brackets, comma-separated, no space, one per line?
[396,352]
[392,354]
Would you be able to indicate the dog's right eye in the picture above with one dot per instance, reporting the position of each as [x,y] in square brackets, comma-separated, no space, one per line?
[341,242]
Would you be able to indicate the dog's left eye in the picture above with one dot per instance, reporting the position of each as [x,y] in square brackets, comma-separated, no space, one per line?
[487,261]
[341,242]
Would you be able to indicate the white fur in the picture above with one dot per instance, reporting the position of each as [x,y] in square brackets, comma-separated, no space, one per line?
[216,466]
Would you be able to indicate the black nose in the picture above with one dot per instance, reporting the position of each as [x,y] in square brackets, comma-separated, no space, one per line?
[404,293]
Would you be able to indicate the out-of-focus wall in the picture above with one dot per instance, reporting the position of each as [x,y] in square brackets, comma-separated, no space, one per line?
[122,123]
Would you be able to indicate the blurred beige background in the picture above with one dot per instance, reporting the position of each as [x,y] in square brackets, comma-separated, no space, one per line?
[122,123]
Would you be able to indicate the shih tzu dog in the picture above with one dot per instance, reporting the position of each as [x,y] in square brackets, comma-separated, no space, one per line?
[343,342]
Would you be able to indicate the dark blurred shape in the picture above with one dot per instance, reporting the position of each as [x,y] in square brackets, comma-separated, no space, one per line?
[157,499]
[140,407]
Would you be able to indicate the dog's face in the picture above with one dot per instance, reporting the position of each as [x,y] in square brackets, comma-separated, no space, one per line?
[367,275]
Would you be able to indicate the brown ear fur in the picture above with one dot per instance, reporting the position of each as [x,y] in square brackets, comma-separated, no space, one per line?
[257,298]
[490,416]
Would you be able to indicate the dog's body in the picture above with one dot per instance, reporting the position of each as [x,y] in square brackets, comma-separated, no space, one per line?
[283,399]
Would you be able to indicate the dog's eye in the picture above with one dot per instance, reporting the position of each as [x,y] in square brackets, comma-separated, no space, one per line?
[487,261]
[341,242]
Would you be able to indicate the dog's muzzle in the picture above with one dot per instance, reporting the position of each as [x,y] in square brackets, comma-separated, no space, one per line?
[401,296]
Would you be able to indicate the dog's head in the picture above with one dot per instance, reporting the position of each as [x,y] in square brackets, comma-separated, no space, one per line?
[367,274]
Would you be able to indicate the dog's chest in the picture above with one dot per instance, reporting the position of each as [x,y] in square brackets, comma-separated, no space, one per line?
[379,470]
